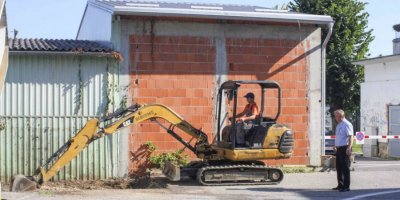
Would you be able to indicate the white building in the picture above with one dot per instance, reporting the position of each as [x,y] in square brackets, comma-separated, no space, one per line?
[380,101]
[3,43]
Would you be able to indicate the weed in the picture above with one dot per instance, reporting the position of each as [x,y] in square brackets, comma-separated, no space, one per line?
[300,169]
[158,160]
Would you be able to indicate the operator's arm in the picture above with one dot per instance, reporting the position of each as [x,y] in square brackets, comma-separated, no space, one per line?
[240,114]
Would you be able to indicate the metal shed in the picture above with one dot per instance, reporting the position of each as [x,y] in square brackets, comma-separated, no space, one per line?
[51,89]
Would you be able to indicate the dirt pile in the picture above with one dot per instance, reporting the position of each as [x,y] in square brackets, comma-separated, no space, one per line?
[139,182]
[136,182]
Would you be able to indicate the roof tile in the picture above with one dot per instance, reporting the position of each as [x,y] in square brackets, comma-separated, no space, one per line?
[20,44]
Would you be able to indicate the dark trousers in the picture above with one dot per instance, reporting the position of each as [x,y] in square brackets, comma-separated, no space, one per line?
[343,167]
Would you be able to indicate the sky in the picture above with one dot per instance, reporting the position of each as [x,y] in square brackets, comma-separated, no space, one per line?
[60,19]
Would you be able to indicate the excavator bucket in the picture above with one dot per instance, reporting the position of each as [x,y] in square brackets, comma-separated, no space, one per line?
[21,183]
[172,171]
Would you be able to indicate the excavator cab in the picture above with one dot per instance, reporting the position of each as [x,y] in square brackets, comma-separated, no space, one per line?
[254,130]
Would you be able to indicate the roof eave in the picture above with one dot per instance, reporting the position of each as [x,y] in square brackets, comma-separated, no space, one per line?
[99,54]
[225,15]
[2,7]
[101,6]
[389,58]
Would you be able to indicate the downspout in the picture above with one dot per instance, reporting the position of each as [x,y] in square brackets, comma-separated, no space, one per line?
[323,84]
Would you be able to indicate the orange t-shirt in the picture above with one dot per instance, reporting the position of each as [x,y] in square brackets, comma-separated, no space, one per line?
[251,109]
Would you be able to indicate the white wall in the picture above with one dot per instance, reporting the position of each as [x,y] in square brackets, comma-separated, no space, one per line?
[96,24]
[383,71]
[380,89]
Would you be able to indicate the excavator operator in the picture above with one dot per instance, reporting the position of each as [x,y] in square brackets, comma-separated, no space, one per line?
[248,115]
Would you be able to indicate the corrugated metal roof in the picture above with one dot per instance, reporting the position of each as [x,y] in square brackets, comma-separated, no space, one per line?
[59,45]
[213,11]
[204,6]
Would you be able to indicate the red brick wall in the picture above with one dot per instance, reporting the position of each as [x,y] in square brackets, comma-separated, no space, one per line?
[283,61]
[177,72]
[180,73]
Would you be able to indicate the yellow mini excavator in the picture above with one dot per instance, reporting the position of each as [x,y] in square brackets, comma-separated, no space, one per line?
[221,162]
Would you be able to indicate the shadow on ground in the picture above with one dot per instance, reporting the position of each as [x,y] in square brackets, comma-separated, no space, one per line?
[387,193]
[362,158]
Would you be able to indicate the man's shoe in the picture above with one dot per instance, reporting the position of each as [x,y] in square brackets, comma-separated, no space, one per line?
[344,190]
[337,188]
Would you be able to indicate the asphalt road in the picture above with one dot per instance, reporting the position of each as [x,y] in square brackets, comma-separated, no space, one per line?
[371,179]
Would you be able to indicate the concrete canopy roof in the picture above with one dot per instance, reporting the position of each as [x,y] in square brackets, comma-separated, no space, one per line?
[381,59]
[207,11]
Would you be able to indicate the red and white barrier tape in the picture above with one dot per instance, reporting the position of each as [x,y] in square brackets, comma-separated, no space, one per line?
[371,137]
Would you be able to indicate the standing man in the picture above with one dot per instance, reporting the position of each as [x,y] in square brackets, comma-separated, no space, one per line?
[343,144]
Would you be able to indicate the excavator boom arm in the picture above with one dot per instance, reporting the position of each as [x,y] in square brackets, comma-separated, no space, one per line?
[92,131]
[154,111]
[70,150]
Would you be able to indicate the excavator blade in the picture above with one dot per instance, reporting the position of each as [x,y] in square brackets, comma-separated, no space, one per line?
[21,183]
[172,171]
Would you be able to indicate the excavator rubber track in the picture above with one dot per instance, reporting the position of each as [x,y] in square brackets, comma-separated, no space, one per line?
[228,175]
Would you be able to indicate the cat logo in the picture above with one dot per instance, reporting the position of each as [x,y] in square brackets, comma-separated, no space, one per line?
[145,115]
[127,122]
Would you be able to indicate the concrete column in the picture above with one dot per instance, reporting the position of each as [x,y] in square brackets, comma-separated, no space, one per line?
[221,74]
[124,93]
[314,96]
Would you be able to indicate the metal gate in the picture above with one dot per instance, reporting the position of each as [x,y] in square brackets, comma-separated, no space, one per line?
[394,129]
[45,101]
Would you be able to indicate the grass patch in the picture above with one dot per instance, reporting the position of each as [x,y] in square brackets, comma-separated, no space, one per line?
[357,148]
[46,192]
[297,169]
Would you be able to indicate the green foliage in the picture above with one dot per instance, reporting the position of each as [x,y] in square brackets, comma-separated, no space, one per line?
[297,169]
[151,147]
[177,157]
[124,101]
[357,148]
[349,42]
[108,89]
[80,87]
[2,125]
[110,86]
[282,7]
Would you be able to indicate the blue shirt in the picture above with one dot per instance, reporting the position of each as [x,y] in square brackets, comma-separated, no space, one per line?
[343,130]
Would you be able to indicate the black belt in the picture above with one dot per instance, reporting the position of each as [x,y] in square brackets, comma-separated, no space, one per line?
[345,146]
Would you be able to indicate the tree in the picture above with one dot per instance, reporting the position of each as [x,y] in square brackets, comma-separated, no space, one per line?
[282,7]
[349,42]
